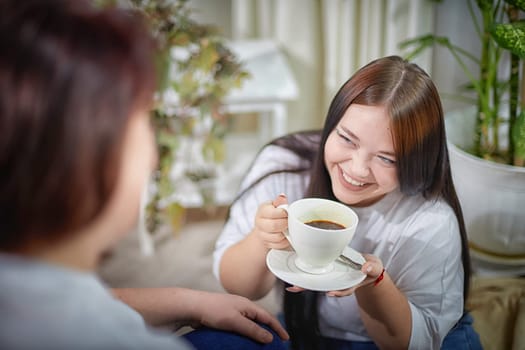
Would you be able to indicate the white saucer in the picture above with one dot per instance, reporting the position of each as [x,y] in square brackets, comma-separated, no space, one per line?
[282,264]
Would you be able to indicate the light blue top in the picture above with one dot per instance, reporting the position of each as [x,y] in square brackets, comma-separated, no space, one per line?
[44,306]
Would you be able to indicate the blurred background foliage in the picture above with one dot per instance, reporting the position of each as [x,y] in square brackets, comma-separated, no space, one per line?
[196,71]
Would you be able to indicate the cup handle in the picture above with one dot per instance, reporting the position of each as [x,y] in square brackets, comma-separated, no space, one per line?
[286,233]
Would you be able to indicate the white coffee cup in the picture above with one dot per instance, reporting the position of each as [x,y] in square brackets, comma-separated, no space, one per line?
[317,248]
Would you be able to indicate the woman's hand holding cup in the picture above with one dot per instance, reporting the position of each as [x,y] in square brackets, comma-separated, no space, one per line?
[271,222]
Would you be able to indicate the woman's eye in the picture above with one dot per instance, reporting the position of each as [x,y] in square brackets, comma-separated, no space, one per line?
[387,161]
[344,137]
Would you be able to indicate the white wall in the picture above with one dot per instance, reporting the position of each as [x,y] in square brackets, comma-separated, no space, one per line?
[453,20]
[214,12]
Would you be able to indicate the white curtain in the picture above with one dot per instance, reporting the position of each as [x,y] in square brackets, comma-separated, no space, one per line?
[326,41]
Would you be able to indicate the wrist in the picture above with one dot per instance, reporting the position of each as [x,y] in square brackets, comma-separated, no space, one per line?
[374,282]
[379,278]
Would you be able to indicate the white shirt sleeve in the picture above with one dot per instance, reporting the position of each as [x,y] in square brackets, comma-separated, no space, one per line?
[242,212]
[433,283]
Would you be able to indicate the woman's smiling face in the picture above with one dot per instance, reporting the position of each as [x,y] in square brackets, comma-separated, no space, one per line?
[359,156]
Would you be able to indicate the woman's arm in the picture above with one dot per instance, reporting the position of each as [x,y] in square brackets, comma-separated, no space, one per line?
[429,273]
[385,313]
[160,306]
[425,301]
[243,267]
[254,228]
[384,309]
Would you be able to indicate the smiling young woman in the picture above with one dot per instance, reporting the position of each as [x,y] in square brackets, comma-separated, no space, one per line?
[383,152]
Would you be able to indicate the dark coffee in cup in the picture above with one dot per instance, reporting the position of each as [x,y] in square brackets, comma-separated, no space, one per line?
[325,224]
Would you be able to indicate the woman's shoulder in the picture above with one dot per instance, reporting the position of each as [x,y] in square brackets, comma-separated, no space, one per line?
[413,213]
[277,156]
[272,160]
[429,216]
[287,153]
[425,209]
[284,162]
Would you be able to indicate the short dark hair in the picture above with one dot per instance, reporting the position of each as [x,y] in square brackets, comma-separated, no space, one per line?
[71,75]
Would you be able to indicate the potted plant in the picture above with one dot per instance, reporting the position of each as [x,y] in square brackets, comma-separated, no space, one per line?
[487,145]
[197,70]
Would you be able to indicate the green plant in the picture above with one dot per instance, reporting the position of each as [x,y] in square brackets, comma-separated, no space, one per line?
[497,92]
[196,70]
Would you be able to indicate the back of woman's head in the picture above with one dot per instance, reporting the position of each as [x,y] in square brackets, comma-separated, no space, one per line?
[416,118]
[71,75]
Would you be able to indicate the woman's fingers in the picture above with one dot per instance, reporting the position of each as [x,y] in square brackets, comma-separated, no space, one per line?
[373,268]
[280,200]
[295,289]
[341,293]
[271,223]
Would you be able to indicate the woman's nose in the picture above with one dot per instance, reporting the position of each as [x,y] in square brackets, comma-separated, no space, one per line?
[359,165]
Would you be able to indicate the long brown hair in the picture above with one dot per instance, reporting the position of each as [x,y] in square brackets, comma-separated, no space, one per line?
[413,104]
[71,75]
[418,128]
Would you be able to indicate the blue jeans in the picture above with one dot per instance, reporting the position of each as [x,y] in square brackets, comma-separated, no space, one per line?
[461,337]
[212,339]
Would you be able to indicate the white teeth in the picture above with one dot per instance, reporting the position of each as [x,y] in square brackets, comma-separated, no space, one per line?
[352,181]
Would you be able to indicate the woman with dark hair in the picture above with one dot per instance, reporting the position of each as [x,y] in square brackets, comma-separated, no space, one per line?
[77,149]
[383,152]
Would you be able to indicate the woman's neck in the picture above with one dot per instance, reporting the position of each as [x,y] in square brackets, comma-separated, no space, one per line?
[79,251]
[80,258]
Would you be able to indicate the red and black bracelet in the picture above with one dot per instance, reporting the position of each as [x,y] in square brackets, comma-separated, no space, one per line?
[379,278]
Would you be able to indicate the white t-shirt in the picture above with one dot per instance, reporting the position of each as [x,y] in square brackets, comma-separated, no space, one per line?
[418,241]
[46,306]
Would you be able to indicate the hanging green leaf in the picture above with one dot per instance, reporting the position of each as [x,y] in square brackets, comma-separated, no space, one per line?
[176,214]
[200,77]
[214,149]
[167,139]
[207,57]
[181,39]
[188,84]
[510,36]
